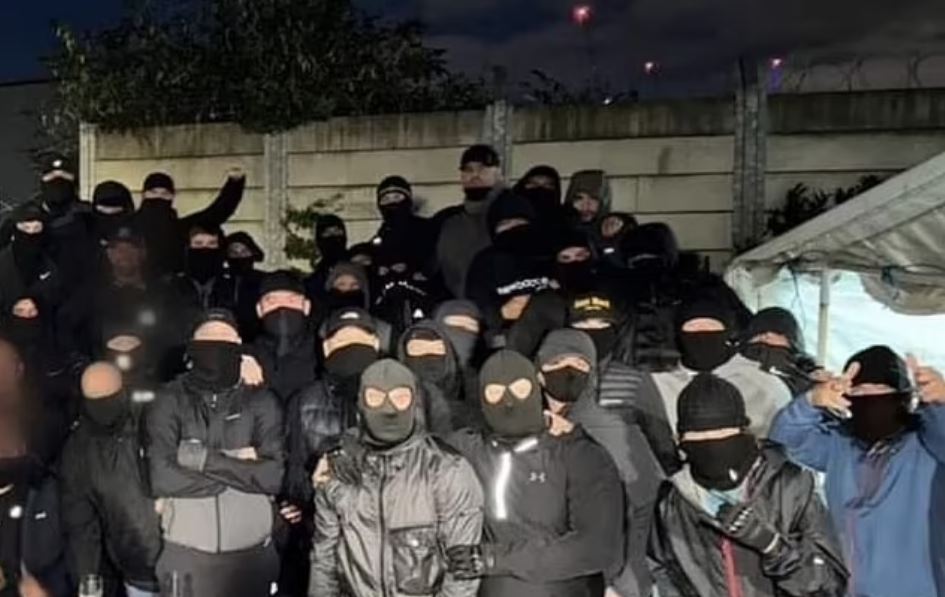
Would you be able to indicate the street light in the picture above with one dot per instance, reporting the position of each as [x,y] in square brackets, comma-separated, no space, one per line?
[649,67]
[581,14]
[777,63]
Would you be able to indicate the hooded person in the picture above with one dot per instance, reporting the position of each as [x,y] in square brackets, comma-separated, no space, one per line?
[575,263]
[568,371]
[427,351]
[404,293]
[461,323]
[773,339]
[402,228]
[464,231]
[541,187]
[216,462]
[242,255]
[347,286]
[875,423]
[739,518]
[331,240]
[537,478]
[25,266]
[429,501]
[588,200]
[107,510]
[166,233]
[112,205]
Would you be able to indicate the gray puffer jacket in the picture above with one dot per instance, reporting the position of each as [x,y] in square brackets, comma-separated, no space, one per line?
[388,535]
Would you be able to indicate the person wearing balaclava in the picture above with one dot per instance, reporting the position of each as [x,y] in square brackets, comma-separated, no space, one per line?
[347,286]
[135,350]
[575,264]
[461,323]
[286,348]
[166,233]
[107,508]
[554,520]
[878,433]
[588,201]
[773,339]
[402,228]
[111,205]
[739,518]
[25,266]
[567,369]
[204,284]
[404,294]
[541,186]
[32,549]
[331,240]
[242,255]
[463,230]
[427,351]
[425,500]
[216,462]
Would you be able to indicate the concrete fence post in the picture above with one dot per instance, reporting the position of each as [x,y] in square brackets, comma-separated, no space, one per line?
[497,131]
[751,156]
[88,134]
[276,184]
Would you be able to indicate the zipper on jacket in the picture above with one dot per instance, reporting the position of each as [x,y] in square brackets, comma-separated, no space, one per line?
[731,574]
[380,514]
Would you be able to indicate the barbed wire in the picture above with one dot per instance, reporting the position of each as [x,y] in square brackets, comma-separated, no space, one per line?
[918,69]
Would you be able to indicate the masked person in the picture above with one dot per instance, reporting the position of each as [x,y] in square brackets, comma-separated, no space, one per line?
[773,339]
[286,348]
[25,267]
[331,240]
[880,440]
[541,186]
[424,500]
[405,294]
[204,284]
[575,264]
[242,255]
[464,231]
[135,351]
[112,206]
[166,234]
[107,509]
[426,350]
[739,518]
[347,286]
[554,517]
[402,227]
[216,463]
[567,369]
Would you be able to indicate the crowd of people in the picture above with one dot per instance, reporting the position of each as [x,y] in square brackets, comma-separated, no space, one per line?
[527,394]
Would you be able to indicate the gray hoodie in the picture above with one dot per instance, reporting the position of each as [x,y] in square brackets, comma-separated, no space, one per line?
[462,236]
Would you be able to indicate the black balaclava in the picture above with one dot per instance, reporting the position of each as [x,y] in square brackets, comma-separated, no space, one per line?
[403,292]
[26,332]
[343,300]
[788,363]
[512,417]
[386,427]
[709,403]
[576,277]
[545,202]
[108,412]
[112,204]
[567,384]
[28,248]
[205,264]
[597,305]
[881,416]
[348,363]
[520,239]
[705,351]
[441,371]
[395,213]
[283,325]
[464,342]
[242,266]
[58,194]
[651,251]
[331,248]
[482,154]
[215,364]
[546,311]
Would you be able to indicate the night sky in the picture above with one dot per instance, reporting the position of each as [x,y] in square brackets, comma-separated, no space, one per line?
[694,41]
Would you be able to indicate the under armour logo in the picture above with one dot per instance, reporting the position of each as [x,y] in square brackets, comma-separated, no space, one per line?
[536,477]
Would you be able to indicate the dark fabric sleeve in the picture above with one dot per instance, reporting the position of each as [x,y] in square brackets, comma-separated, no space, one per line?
[595,537]
[80,522]
[263,475]
[932,430]
[297,487]
[654,424]
[459,511]
[222,208]
[168,479]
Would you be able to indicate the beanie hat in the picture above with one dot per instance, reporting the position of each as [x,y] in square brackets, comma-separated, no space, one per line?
[126,232]
[880,365]
[710,403]
[652,239]
[28,212]
[705,307]
[158,180]
[545,171]
[508,206]
[777,321]
[58,161]
[514,276]
[572,237]
[482,154]
[282,280]
[113,194]
[394,184]
[566,342]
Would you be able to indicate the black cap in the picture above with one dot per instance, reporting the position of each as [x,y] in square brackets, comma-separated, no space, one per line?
[880,365]
[777,321]
[112,193]
[28,212]
[482,154]
[126,232]
[57,161]
[343,318]
[158,180]
[394,184]
[218,315]
[282,280]
[710,403]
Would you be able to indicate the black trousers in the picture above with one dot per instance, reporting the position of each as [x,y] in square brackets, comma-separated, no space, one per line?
[186,572]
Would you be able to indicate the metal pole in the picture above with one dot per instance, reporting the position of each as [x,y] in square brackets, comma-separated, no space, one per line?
[823,318]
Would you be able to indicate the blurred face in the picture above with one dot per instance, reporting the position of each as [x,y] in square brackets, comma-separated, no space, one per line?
[204,240]
[513,308]
[350,336]
[282,299]
[392,198]
[703,324]
[540,182]
[587,207]
[346,283]
[574,255]
[238,251]
[25,309]
[333,232]
[30,227]
[362,259]
[123,343]
[592,323]
[701,436]
[125,257]
[58,174]
[477,175]
[217,331]
[159,193]
[772,339]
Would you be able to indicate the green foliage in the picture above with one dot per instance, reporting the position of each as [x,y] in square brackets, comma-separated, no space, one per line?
[299,224]
[269,65]
[802,204]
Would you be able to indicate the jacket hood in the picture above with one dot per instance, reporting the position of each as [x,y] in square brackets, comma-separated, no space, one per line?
[428,329]
[596,184]
[350,269]
[546,171]
[508,205]
[247,240]
[654,239]
[571,342]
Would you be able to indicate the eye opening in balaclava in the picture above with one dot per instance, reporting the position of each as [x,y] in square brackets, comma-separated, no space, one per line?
[882,397]
[388,401]
[331,238]
[511,396]
[705,328]
[427,351]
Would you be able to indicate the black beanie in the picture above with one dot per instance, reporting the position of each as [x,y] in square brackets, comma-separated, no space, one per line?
[482,154]
[326,221]
[705,307]
[516,276]
[219,315]
[113,194]
[654,238]
[246,240]
[282,280]
[394,184]
[880,365]
[158,180]
[507,206]
[58,162]
[710,403]
[777,321]
[572,237]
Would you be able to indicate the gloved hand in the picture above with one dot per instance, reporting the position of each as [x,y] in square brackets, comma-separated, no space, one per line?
[743,524]
[346,462]
[469,562]
[192,455]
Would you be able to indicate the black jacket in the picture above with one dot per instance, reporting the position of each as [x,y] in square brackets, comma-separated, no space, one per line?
[46,285]
[694,558]
[557,526]
[106,501]
[291,370]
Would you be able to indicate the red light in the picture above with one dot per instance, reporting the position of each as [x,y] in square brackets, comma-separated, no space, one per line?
[582,14]
[776,63]
[649,67]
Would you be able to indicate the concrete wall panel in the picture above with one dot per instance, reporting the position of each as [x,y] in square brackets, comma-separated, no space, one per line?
[194,173]
[193,140]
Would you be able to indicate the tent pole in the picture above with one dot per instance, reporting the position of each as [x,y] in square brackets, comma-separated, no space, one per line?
[823,319]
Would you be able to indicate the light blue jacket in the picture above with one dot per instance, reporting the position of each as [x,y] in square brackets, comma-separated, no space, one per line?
[886,502]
